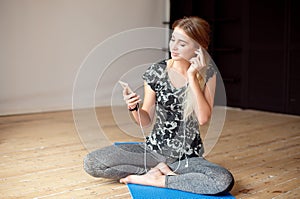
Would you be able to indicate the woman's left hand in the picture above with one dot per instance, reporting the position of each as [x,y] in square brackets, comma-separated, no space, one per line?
[197,63]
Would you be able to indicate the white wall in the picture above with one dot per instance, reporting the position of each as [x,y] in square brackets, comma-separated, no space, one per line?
[43,43]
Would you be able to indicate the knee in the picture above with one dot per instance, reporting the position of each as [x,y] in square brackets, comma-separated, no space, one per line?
[225,182]
[93,166]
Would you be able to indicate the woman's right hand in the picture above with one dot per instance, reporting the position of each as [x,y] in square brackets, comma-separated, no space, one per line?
[131,99]
[197,63]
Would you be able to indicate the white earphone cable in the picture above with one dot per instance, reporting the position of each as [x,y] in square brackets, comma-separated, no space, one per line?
[145,145]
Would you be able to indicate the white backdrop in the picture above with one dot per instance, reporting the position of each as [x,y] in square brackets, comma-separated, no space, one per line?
[44,42]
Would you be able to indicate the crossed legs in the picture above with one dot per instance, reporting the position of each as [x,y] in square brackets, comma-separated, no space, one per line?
[126,164]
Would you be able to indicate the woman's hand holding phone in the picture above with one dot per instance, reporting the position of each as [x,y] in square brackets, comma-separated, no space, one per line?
[131,98]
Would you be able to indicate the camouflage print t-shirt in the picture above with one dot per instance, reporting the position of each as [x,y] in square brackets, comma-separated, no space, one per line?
[170,132]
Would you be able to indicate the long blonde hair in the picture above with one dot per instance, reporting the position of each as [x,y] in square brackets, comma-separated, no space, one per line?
[199,30]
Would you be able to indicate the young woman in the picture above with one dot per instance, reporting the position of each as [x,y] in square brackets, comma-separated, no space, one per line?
[180,91]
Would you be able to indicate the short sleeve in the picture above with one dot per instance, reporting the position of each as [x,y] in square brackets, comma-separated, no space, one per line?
[154,73]
[210,72]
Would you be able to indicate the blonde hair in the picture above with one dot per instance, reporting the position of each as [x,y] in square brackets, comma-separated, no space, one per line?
[199,30]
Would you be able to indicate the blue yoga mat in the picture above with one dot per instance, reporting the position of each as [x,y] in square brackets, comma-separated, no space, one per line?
[119,143]
[149,192]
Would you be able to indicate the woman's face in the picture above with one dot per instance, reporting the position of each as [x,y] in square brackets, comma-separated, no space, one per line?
[182,47]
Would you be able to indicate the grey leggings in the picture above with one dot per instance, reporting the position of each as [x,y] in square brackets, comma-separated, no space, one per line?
[198,176]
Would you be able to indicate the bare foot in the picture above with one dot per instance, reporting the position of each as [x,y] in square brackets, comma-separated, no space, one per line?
[154,177]
[165,169]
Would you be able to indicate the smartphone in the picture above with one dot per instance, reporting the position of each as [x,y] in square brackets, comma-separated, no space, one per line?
[125,85]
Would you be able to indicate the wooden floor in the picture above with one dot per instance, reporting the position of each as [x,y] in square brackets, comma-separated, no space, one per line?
[41,156]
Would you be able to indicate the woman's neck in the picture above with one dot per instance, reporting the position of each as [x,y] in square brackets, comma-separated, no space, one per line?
[180,66]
